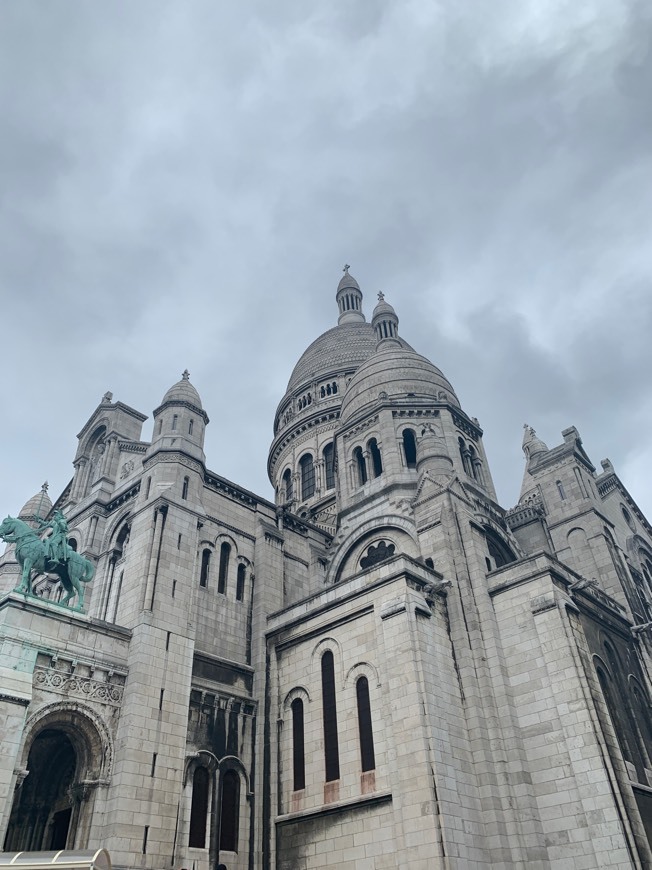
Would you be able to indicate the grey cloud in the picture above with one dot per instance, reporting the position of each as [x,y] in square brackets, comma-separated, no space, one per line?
[180,184]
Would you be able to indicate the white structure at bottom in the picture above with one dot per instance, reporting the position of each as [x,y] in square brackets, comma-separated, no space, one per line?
[382,669]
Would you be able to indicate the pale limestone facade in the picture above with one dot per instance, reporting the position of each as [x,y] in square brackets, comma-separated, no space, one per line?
[382,669]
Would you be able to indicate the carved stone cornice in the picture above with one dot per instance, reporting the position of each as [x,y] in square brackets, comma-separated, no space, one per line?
[90,688]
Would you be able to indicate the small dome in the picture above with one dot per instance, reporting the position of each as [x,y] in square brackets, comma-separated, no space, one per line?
[183,391]
[38,505]
[347,282]
[532,444]
[399,372]
[383,308]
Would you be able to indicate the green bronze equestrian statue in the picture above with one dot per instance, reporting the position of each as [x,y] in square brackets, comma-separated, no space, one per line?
[53,555]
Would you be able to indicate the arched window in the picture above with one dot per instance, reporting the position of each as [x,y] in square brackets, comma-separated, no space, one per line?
[205,567]
[225,552]
[361,466]
[307,468]
[229,811]
[298,753]
[160,426]
[376,461]
[184,488]
[474,463]
[240,583]
[190,427]
[175,417]
[560,490]
[199,808]
[331,745]
[72,543]
[410,448]
[499,551]
[329,465]
[287,485]
[367,756]
[148,487]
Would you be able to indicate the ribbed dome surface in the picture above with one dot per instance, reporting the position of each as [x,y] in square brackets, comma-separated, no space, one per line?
[38,505]
[344,347]
[399,372]
[183,391]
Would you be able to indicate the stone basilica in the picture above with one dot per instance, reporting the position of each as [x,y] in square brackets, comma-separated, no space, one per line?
[384,668]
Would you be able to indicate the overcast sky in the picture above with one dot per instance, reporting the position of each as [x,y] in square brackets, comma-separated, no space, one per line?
[180,184]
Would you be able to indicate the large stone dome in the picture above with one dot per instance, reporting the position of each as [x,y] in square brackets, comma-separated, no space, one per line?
[342,348]
[398,371]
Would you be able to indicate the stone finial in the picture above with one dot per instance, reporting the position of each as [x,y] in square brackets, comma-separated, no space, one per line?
[107,397]
[381,296]
[346,268]
[185,376]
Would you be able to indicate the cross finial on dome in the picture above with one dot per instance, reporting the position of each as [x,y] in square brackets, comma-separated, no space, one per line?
[346,268]
[381,296]
[45,487]
[186,375]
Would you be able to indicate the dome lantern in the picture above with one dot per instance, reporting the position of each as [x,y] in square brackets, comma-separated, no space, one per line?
[349,299]
[385,322]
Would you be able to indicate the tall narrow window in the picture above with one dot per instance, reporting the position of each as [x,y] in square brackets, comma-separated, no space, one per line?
[307,467]
[473,462]
[184,488]
[560,490]
[410,448]
[360,466]
[190,427]
[174,421]
[229,811]
[240,583]
[329,465]
[148,487]
[331,746]
[160,426]
[298,753]
[367,756]
[199,809]
[376,461]
[287,485]
[225,552]
[205,567]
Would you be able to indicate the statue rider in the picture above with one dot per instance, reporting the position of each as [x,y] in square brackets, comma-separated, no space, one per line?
[57,543]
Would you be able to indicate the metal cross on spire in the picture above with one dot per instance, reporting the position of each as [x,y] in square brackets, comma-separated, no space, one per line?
[346,268]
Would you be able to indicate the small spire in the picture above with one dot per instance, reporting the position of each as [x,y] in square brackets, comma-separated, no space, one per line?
[349,298]
[45,487]
[186,375]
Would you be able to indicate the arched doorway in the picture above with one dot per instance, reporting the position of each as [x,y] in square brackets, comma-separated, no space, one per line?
[43,809]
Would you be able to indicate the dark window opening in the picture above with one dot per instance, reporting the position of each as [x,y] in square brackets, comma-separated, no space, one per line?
[376,460]
[410,448]
[205,567]
[149,486]
[225,553]
[361,466]
[190,427]
[184,488]
[174,422]
[298,753]
[229,811]
[307,468]
[367,756]
[287,485]
[199,808]
[329,465]
[72,543]
[560,490]
[240,583]
[331,745]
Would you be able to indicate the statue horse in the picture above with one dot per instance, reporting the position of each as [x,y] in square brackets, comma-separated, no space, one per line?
[32,556]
